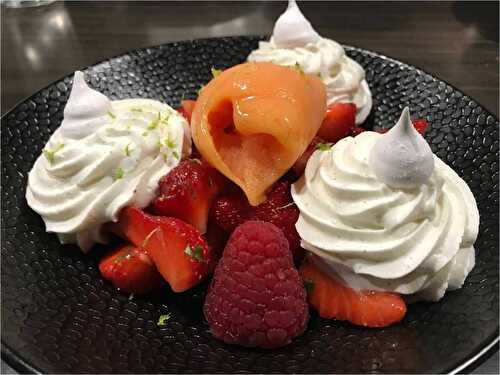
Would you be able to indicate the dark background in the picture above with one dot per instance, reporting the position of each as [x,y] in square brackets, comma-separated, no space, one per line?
[455,41]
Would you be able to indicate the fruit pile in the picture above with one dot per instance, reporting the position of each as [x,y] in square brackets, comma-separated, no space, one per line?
[201,223]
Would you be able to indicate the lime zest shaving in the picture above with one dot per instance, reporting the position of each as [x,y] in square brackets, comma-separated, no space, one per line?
[127,149]
[162,320]
[111,114]
[155,122]
[196,253]
[215,72]
[119,173]
[136,109]
[324,146]
[51,154]
[176,155]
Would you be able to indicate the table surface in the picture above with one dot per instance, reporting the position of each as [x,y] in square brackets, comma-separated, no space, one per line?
[455,41]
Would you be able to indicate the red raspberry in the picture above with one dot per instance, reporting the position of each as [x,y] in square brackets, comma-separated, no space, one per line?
[256,297]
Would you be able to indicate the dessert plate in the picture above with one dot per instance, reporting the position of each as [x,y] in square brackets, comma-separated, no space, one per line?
[59,315]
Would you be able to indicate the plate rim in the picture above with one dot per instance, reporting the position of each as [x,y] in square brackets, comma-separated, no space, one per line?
[15,359]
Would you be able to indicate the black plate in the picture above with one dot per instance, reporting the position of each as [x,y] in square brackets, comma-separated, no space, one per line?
[58,315]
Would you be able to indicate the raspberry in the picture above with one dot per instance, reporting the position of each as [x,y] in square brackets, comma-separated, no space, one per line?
[256,298]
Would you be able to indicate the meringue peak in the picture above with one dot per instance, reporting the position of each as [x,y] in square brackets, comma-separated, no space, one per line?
[84,105]
[402,158]
[292,29]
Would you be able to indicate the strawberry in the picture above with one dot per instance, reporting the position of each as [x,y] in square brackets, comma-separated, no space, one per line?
[420,125]
[338,122]
[333,300]
[233,209]
[178,249]
[230,210]
[186,109]
[300,164]
[187,192]
[130,269]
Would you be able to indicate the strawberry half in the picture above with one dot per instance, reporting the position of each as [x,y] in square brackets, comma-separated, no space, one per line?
[187,192]
[178,249]
[338,122]
[334,300]
[130,269]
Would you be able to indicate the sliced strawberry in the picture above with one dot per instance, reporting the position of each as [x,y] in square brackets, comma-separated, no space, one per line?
[230,210]
[420,125]
[300,164]
[233,209]
[187,192]
[186,109]
[130,269]
[338,122]
[178,250]
[366,308]
[280,210]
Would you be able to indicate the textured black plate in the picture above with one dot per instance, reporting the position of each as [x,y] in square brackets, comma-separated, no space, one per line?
[58,315]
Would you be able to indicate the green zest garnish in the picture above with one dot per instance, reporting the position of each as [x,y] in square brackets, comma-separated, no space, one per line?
[308,286]
[176,155]
[136,109]
[127,149]
[50,154]
[196,253]
[119,173]
[111,114]
[154,124]
[324,146]
[162,320]
[215,72]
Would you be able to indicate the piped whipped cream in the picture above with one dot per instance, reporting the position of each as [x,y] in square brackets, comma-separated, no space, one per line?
[417,240]
[104,156]
[295,43]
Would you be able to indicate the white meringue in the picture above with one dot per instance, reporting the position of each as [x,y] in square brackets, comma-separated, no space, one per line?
[402,158]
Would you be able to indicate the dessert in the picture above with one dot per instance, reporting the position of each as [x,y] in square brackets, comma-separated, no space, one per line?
[295,43]
[381,212]
[104,156]
[275,173]
[254,120]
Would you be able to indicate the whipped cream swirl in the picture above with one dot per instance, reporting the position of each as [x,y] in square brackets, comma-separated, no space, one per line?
[295,43]
[104,156]
[417,240]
